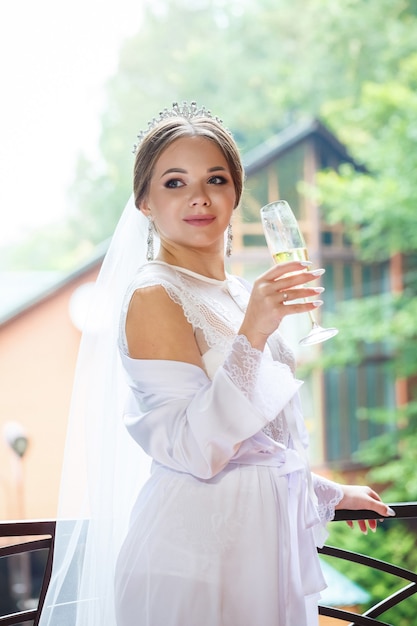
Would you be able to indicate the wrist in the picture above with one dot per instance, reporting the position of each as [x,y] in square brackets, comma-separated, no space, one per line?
[256,340]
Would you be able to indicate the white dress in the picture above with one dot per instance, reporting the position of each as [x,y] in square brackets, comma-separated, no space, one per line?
[224,532]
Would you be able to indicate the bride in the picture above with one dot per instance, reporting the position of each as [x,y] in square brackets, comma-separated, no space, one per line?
[185,362]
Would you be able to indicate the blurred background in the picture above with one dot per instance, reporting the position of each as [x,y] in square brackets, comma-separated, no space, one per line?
[321,97]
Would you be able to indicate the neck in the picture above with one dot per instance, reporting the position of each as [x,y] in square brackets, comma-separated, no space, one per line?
[207,264]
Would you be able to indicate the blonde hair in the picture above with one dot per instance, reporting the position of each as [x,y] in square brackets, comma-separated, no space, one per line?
[168,131]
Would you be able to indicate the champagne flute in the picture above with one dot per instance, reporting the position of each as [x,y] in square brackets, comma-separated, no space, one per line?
[286,243]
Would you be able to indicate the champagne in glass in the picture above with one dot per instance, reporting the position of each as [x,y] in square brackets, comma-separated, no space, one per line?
[286,243]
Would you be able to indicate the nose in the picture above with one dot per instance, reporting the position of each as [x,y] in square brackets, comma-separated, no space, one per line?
[199,196]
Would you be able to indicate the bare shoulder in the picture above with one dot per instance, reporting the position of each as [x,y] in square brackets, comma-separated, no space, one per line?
[156,328]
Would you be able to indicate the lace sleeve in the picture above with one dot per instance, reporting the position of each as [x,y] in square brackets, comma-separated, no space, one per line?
[243,364]
[267,384]
[329,494]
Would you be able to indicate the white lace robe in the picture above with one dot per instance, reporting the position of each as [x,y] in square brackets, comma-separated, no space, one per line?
[224,532]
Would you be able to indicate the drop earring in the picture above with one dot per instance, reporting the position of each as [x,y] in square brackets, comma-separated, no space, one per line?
[149,240]
[229,239]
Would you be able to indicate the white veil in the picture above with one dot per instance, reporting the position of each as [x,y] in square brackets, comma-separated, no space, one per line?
[103,467]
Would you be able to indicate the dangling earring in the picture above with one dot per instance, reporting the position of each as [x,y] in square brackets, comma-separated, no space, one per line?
[229,240]
[149,240]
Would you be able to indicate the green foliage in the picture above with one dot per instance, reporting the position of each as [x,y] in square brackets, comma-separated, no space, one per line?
[378,208]
[399,451]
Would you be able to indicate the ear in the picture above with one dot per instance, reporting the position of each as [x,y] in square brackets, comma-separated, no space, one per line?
[144,208]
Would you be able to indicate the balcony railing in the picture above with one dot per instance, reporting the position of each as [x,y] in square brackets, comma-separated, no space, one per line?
[39,535]
[29,537]
[371,615]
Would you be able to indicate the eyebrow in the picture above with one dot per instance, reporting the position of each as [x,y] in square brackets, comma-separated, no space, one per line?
[179,170]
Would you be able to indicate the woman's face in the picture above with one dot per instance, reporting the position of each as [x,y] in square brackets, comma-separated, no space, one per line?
[191,195]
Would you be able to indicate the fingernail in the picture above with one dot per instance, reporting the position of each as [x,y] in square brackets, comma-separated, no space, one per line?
[391,512]
[317,303]
[306,263]
[373,529]
[318,272]
[318,289]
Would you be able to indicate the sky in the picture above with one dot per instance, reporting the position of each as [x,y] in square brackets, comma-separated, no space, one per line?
[55,58]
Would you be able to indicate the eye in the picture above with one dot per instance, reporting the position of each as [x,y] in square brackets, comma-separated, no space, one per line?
[217,180]
[173,183]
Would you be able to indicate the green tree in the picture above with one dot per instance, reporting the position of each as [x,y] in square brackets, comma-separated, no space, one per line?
[378,207]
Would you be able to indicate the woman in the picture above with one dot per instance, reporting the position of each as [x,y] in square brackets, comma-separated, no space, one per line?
[224,532]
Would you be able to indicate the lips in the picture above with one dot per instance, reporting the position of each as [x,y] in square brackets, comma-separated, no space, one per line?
[199,220]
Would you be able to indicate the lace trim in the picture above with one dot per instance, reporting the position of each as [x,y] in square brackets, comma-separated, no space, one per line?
[202,310]
[242,365]
[278,430]
[329,494]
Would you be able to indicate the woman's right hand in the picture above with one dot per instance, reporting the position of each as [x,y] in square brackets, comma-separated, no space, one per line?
[272,299]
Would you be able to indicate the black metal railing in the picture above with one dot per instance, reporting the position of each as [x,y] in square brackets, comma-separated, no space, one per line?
[371,615]
[39,535]
[33,536]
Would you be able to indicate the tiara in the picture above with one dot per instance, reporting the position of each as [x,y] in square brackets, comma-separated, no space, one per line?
[186,111]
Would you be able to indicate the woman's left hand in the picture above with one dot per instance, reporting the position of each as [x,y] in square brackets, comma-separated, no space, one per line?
[357,497]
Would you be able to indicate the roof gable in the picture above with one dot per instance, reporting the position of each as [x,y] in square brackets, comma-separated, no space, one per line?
[276,146]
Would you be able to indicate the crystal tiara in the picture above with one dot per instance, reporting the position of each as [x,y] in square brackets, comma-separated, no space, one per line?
[186,111]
